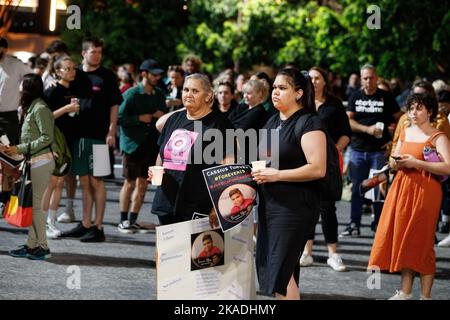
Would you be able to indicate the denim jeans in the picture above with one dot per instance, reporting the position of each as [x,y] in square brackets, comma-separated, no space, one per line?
[360,165]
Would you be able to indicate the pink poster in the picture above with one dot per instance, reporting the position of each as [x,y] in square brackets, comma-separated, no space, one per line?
[177,149]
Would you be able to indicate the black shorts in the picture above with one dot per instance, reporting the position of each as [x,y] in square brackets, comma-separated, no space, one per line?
[136,165]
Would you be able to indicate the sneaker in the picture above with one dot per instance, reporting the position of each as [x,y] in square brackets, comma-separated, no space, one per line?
[76,232]
[140,229]
[94,235]
[400,295]
[335,262]
[67,217]
[306,260]
[445,242]
[425,298]
[23,252]
[40,254]
[52,231]
[444,228]
[125,227]
[351,231]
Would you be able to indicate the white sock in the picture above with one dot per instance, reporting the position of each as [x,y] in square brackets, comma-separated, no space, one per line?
[69,205]
[51,219]
[444,218]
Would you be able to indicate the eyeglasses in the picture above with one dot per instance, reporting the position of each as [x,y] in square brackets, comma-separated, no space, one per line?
[68,69]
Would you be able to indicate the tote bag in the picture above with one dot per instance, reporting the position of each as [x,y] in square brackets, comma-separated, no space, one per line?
[19,209]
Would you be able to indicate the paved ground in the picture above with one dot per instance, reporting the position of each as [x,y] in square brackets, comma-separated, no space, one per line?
[124,266]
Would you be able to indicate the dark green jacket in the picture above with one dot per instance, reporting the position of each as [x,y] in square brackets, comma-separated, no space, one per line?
[136,102]
[37,129]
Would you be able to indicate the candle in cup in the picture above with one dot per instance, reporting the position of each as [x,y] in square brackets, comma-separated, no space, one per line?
[259,165]
[157,172]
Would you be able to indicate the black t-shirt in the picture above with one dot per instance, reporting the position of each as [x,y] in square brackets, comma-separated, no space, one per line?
[333,116]
[230,111]
[278,196]
[98,91]
[183,190]
[57,97]
[245,118]
[379,107]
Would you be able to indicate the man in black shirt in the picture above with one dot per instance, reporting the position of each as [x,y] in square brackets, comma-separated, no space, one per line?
[366,109]
[99,99]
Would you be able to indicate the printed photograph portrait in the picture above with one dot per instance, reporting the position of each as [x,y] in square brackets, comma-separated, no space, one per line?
[236,202]
[207,249]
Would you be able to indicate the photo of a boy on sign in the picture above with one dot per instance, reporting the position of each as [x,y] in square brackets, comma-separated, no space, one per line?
[241,205]
[207,249]
[233,193]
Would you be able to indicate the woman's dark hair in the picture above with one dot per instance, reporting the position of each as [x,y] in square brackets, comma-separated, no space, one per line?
[324,73]
[425,99]
[301,80]
[32,88]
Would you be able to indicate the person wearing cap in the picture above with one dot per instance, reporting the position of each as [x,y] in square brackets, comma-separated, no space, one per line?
[12,71]
[99,96]
[138,112]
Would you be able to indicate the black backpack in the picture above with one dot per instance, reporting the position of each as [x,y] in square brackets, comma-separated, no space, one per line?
[330,186]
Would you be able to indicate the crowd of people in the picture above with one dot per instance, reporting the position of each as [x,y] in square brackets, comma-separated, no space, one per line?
[152,115]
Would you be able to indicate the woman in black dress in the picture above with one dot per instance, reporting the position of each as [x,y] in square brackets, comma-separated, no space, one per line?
[289,201]
[332,113]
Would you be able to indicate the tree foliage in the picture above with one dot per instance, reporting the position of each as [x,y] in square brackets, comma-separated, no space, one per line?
[132,30]
[413,38]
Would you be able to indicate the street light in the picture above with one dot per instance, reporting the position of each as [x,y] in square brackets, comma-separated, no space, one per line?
[52,22]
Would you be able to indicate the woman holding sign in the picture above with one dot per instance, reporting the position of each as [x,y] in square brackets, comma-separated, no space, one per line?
[285,222]
[182,154]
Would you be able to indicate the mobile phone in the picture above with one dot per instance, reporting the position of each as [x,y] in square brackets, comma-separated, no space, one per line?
[396,157]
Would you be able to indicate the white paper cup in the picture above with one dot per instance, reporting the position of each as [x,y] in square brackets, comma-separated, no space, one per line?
[380,127]
[259,165]
[157,172]
[72,114]
[4,140]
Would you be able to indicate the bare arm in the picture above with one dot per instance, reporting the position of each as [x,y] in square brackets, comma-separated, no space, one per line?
[162,120]
[158,161]
[342,143]
[314,147]
[111,137]
[439,168]
[71,107]
[357,127]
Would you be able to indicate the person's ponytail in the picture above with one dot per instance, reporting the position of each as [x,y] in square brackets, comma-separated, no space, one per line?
[308,98]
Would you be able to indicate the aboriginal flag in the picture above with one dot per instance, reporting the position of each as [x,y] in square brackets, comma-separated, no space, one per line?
[19,209]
